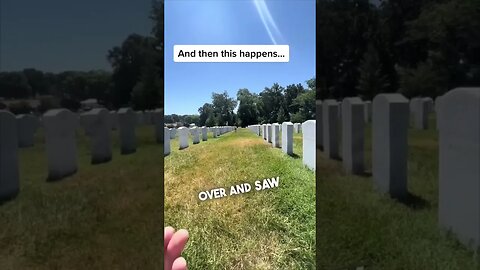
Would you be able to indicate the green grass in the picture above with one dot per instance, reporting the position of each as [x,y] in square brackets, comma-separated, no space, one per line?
[269,229]
[359,227]
[106,216]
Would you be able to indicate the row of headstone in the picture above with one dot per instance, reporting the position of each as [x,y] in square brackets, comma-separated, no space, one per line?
[388,115]
[271,134]
[142,118]
[60,140]
[146,117]
[458,118]
[27,124]
[196,133]
[420,108]
[297,127]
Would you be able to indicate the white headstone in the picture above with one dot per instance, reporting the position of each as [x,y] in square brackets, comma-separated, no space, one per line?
[309,146]
[296,127]
[113,120]
[419,109]
[459,164]
[183,137]
[9,169]
[140,118]
[390,143]
[353,131]
[97,122]
[319,123]
[127,121]
[156,120]
[60,143]
[166,141]
[330,128]
[275,135]
[368,111]
[438,101]
[269,133]
[204,134]
[27,124]
[195,135]
[287,138]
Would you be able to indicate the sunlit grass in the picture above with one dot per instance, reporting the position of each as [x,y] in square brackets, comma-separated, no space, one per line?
[106,216]
[269,229]
[359,227]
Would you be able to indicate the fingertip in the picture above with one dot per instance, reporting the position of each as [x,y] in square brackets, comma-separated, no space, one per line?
[183,232]
[177,243]
[167,235]
[179,264]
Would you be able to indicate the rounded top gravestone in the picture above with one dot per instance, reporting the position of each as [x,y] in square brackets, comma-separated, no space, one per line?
[9,175]
[27,124]
[97,122]
[60,125]
[459,159]
[65,121]
[390,98]
[330,102]
[353,100]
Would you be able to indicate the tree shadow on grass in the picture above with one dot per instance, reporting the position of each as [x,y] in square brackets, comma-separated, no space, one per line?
[7,198]
[413,201]
[365,174]
[337,158]
[295,156]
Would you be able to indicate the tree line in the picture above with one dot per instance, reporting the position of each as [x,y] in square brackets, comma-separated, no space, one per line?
[136,78]
[293,103]
[415,47]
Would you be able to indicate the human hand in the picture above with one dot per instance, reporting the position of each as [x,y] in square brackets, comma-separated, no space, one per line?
[174,243]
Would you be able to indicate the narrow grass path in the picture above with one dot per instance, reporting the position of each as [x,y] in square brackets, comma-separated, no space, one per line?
[268,229]
[360,227]
[106,216]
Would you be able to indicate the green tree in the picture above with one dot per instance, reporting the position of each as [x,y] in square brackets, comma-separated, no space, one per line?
[146,94]
[36,80]
[128,62]
[157,16]
[272,100]
[371,81]
[344,29]
[14,85]
[206,113]
[223,106]
[291,93]
[247,109]
[306,105]
[447,35]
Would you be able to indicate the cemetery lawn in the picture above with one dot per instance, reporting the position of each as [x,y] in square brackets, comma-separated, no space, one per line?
[269,229]
[107,216]
[359,227]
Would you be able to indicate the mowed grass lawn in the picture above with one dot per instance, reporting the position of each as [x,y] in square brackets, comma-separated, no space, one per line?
[359,227]
[268,229]
[106,216]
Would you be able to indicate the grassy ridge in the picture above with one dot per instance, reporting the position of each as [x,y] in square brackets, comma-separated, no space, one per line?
[106,216]
[360,227]
[269,229]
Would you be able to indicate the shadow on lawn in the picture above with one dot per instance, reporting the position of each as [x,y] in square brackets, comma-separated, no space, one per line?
[295,156]
[414,202]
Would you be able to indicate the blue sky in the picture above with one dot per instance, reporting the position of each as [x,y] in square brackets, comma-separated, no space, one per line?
[58,35]
[189,85]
